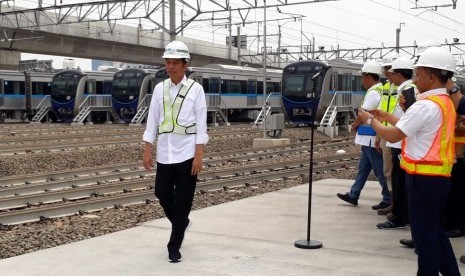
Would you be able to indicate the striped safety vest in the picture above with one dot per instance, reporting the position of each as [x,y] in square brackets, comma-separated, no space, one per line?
[389,98]
[440,157]
[171,111]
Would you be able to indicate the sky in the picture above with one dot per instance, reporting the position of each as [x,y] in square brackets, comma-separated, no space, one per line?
[347,24]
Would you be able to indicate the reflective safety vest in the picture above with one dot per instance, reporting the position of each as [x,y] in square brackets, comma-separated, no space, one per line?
[460,139]
[378,88]
[440,157]
[389,98]
[171,111]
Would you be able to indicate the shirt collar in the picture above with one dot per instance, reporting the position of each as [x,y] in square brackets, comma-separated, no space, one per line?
[437,91]
[402,85]
[183,82]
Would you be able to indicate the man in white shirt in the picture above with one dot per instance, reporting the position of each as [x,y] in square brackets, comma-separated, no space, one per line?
[178,118]
[371,158]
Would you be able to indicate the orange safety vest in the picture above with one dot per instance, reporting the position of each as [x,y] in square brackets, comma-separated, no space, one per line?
[440,157]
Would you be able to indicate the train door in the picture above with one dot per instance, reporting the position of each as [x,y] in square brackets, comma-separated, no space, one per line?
[91,87]
[251,92]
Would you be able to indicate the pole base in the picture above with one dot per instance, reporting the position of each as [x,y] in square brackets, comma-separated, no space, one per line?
[304,244]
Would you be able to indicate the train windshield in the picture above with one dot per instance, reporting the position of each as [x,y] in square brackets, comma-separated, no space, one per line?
[303,80]
[65,84]
[127,83]
[301,85]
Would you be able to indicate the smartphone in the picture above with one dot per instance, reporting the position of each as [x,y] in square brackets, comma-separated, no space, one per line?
[409,95]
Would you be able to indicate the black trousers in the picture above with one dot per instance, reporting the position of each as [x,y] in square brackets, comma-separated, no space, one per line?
[427,197]
[174,188]
[399,190]
[455,207]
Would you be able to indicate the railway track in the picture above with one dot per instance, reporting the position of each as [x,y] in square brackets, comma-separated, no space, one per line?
[136,192]
[54,195]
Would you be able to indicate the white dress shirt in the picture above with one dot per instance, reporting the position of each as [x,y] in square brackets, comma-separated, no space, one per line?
[370,102]
[176,148]
[420,124]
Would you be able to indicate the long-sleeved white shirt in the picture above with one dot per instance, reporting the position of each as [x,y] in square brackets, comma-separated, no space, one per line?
[175,148]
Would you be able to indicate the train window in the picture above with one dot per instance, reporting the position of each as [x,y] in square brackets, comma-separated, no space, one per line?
[243,87]
[260,87]
[273,87]
[293,85]
[225,87]
[356,83]
[91,87]
[2,87]
[214,85]
[333,84]
[251,87]
[14,87]
[234,87]
[107,85]
[98,87]
[344,82]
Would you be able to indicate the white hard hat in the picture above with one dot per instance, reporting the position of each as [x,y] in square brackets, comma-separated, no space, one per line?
[176,49]
[438,58]
[425,45]
[389,58]
[372,67]
[402,63]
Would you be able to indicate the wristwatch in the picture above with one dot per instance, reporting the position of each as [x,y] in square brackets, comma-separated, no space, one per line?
[454,89]
[369,120]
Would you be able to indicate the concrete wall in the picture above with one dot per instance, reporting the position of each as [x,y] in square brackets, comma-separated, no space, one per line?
[126,44]
[9,60]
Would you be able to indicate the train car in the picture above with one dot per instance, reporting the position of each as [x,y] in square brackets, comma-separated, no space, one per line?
[235,90]
[21,93]
[310,86]
[71,88]
[130,86]
[238,90]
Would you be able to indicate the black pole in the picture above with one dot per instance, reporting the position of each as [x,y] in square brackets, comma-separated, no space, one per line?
[309,244]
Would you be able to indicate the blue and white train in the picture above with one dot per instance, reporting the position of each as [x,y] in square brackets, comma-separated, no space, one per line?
[73,88]
[235,90]
[21,93]
[309,87]
[130,86]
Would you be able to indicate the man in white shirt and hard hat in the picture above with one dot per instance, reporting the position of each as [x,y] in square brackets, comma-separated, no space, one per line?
[177,119]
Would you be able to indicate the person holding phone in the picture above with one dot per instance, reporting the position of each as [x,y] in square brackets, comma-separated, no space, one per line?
[427,130]
[401,75]
[371,158]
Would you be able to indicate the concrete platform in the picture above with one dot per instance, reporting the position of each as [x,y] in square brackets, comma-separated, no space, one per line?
[254,236]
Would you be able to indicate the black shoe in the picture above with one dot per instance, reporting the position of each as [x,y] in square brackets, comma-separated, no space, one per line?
[390,225]
[347,198]
[407,242]
[174,256]
[381,205]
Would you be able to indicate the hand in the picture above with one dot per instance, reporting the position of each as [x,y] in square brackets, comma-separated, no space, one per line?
[148,160]
[381,115]
[378,144]
[364,115]
[196,166]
